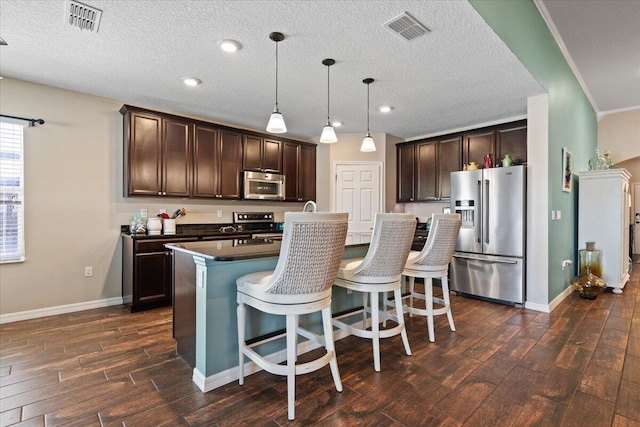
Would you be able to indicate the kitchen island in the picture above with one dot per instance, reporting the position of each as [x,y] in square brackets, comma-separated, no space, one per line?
[204,306]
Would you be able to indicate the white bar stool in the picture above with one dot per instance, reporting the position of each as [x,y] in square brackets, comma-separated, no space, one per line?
[310,256]
[433,262]
[377,273]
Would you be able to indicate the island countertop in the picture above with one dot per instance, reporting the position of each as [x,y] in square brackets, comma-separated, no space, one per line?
[230,250]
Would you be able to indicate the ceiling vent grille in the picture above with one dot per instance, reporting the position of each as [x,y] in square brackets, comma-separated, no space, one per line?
[406,27]
[82,16]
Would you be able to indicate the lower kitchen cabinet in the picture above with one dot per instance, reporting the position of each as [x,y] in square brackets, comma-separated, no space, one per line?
[147,272]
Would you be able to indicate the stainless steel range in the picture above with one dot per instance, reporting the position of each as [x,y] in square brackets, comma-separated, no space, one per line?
[259,224]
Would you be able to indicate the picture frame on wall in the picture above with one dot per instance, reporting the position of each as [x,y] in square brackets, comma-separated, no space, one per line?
[567,172]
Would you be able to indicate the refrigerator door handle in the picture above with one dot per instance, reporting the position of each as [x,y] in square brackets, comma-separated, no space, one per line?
[496,261]
[479,212]
[485,203]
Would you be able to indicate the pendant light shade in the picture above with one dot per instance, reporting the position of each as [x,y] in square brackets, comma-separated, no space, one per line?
[276,121]
[328,134]
[367,143]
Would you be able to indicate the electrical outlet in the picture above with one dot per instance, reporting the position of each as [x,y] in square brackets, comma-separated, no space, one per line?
[558,214]
[88,271]
[143,212]
[219,213]
[553,215]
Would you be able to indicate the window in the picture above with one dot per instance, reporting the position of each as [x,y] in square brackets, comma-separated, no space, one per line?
[11,193]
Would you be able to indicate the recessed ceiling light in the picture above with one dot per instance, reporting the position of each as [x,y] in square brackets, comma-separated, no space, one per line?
[229,45]
[385,109]
[191,81]
[336,124]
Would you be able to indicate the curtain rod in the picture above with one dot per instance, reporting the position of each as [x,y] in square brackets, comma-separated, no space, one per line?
[32,122]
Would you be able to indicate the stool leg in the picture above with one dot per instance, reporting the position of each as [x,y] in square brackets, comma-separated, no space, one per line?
[428,293]
[330,346]
[241,343]
[296,346]
[412,281]
[447,302]
[400,315]
[291,364]
[384,308]
[364,310]
[375,331]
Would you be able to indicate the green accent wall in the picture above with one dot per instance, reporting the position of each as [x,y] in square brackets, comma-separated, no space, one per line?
[572,120]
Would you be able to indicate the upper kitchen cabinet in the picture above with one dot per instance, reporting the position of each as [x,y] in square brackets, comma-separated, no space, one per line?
[217,162]
[424,168]
[509,138]
[157,153]
[299,169]
[262,154]
[405,169]
[477,144]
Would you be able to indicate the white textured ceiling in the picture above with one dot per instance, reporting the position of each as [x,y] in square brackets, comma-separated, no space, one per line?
[458,75]
[602,39]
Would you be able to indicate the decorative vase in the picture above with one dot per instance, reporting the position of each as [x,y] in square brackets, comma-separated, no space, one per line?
[488,163]
[597,162]
[588,283]
[154,226]
[506,161]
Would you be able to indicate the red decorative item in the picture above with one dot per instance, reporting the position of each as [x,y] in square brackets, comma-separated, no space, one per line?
[487,161]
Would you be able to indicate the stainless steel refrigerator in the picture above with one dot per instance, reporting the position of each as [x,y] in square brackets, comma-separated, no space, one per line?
[489,259]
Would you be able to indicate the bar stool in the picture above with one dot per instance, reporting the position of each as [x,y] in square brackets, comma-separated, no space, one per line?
[377,273]
[310,255]
[433,262]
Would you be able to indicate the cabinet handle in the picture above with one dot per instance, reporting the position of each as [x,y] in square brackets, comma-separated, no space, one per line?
[164,193]
[159,193]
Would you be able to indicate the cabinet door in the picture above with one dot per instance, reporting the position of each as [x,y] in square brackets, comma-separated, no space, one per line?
[290,164]
[405,168]
[476,145]
[272,156]
[144,154]
[307,173]
[206,141]
[230,171]
[449,154]
[426,171]
[512,141]
[176,158]
[252,160]
[153,280]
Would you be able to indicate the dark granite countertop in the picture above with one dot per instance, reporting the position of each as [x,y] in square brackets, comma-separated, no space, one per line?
[230,250]
[200,231]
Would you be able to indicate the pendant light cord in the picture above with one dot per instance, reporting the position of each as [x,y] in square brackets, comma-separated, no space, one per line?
[277,76]
[368,133]
[328,94]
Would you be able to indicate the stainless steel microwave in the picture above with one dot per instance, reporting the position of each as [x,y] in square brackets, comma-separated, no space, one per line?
[263,186]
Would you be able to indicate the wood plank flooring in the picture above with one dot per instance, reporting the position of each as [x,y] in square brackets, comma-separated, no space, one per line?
[505,366]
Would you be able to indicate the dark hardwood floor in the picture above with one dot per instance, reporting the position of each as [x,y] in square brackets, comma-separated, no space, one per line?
[505,366]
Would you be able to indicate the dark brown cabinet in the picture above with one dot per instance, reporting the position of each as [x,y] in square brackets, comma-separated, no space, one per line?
[157,154]
[147,273]
[262,154]
[217,163]
[509,138]
[299,169]
[424,168]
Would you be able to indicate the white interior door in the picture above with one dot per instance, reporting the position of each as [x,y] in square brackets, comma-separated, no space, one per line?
[636,217]
[359,193]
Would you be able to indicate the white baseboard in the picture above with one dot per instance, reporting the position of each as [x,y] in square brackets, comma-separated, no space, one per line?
[61,309]
[230,375]
[548,308]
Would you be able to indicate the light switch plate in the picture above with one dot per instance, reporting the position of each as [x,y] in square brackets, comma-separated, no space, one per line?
[558,214]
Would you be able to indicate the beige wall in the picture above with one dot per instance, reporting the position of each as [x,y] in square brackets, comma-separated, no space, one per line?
[620,134]
[73,200]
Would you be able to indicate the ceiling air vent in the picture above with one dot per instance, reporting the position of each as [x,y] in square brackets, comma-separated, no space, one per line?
[406,27]
[82,16]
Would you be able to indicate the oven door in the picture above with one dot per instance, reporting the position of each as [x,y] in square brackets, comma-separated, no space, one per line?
[272,236]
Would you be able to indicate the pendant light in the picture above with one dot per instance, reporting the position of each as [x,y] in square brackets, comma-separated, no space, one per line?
[367,143]
[276,121]
[328,134]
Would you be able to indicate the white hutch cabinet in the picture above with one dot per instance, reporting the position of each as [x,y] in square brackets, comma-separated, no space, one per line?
[604,202]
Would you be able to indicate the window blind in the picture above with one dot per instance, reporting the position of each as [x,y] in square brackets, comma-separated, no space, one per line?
[11,193]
